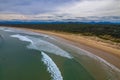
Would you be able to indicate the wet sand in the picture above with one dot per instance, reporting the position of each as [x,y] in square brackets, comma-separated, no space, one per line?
[107,51]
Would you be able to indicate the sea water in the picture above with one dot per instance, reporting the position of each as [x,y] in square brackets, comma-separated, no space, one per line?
[32,56]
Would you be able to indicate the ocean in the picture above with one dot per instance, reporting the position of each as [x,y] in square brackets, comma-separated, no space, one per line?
[26,55]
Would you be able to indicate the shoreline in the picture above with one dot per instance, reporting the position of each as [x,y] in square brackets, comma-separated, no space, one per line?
[110,54]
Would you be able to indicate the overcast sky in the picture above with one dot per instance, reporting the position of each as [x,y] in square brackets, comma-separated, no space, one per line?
[44,9]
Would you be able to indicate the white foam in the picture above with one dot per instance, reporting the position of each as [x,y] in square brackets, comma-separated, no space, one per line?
[2,28]
[25,32]
[5,29]
[8,30]
[101,60]
[49,47]
[51,67]
[22,38]
[93,56]
[41,45]
[46,46]
[111,69]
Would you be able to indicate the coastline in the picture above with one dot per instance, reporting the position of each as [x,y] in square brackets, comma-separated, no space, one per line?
[101,49]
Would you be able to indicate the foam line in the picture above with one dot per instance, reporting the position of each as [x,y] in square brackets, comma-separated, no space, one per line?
[22,38]
[6,29]
[51,67]
[26,32]
[113,71]
[42,45]
[101,60]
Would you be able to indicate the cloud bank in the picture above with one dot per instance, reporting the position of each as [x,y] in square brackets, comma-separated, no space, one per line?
[59,9]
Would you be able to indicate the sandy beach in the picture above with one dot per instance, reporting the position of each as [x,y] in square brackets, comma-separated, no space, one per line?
[107,51]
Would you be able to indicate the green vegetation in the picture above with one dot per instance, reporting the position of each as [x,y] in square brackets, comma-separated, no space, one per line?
[105,31]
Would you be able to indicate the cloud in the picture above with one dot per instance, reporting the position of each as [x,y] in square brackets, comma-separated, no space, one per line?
[13,16]
[31,6]
[58,9]
[93,8]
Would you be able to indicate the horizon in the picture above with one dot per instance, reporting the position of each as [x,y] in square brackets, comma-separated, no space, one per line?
[60,10]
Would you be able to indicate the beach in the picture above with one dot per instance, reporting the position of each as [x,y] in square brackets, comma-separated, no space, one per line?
[99,58]
[108,52]
[60,40]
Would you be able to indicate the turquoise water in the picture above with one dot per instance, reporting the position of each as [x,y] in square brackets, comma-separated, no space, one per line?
[31,56]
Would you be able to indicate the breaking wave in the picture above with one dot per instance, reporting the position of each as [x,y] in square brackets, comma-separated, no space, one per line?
[112,70]
[22,38]
[51,67]
[1,40]
[25,32]
[42,45]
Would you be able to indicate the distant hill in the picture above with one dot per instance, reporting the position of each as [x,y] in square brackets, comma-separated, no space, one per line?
[4,22]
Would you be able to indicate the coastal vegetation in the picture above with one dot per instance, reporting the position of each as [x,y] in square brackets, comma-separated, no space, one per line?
[105,31]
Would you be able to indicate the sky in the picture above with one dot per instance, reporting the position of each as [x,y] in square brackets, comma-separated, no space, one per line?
[59,9]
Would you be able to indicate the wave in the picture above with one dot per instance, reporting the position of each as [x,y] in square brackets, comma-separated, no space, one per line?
[22,38]
[38,44]
[51,67]
[5,29]
[101,60]
[112,70]
[1,40]
[25,32]
[42,45]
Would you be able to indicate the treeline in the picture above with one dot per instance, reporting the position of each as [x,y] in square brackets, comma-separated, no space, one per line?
[105,31]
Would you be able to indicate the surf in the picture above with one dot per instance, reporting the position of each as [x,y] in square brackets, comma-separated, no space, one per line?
[51,67]
[42,45]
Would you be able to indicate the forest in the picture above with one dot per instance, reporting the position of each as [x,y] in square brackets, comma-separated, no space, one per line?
[104,31]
